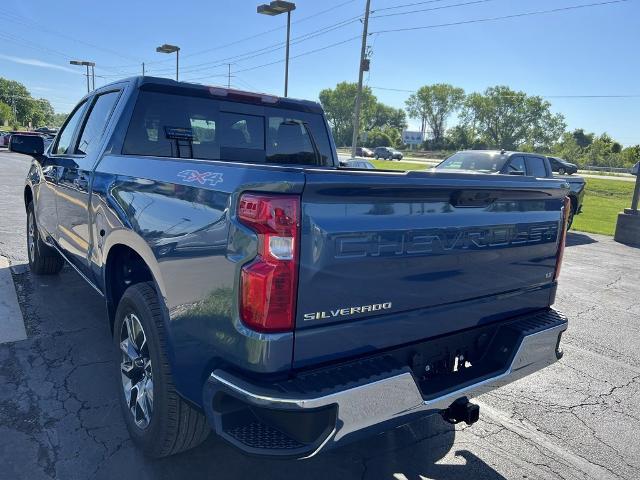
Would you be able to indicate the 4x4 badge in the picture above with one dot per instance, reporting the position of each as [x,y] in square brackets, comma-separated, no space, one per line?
[203,178]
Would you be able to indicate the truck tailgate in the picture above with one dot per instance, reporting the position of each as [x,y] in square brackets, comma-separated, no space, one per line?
[390,258]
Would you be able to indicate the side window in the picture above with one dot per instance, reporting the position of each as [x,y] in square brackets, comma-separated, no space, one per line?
[536,167]
[241,137]
[516,164]
[63,143]
[289,142]
[96,121]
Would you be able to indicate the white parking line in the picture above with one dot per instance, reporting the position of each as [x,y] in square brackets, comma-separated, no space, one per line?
[11,322]
[531,433]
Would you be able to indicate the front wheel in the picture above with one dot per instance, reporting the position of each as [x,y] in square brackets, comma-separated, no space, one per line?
[43,260]
[159,421]
[562,171]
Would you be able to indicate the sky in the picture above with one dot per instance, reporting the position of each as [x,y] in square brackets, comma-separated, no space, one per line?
[576,58]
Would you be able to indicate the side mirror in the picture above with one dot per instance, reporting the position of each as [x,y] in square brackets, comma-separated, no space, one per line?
[26,144]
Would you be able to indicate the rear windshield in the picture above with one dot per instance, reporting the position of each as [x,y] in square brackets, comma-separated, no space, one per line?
[480,161]
[171,125]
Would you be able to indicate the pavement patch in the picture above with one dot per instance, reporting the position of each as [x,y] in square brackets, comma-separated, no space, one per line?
[11,322]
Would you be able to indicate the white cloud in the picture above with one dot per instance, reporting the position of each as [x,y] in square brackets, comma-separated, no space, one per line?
[36,63]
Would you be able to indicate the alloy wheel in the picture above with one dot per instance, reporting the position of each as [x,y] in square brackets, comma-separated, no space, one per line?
[136,370]
[31,236]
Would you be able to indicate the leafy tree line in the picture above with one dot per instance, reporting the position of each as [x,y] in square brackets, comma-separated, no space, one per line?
[499,117]
[383,124]
[19,108]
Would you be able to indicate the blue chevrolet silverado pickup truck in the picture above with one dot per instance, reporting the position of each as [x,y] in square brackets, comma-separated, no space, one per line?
[255,288]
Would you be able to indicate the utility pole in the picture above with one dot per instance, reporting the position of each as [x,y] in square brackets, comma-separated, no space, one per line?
[143,69]
[363,50]
[93,76]
[229,76]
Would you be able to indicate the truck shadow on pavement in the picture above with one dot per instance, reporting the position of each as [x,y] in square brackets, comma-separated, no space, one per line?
[59,408]
[575,239]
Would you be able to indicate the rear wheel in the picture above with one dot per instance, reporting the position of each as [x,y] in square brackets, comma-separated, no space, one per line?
[562,171]
[159,421]
[43,260]
[571,215]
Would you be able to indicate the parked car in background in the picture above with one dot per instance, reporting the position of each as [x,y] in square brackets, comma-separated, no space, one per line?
[514,163]
[387,153]
[562,166]
[364,152]
[363,164]
[4,139]
[47,131]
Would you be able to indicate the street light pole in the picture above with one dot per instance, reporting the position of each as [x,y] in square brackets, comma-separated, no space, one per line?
[286,63]
[363,49]
[166,48]
[276,7]
[87,64]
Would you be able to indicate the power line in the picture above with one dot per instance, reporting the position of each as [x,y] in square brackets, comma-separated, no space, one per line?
[407,5]
[442,7]
[504,17]
[16,18]
[250,37]
[541,96]
[268,49]
[309,52]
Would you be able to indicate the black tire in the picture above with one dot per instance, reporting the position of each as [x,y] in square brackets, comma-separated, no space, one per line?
[43,260]
[562,171]
[377,158]
[571,216]
[174,426]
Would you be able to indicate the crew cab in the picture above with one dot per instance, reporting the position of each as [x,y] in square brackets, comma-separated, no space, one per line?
[255,288]
[515,163]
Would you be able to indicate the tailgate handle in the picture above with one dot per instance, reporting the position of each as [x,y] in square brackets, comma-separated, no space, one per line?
[472,198]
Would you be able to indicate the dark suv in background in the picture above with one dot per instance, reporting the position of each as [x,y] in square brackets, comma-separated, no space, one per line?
[387,153]
[562,166]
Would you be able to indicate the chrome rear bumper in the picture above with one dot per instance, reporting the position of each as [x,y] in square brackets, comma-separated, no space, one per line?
[393,400]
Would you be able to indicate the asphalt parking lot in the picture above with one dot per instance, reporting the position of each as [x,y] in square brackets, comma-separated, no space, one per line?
[578,419]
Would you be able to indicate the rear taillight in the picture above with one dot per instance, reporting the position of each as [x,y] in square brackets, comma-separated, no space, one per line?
[268,283]
[566,209]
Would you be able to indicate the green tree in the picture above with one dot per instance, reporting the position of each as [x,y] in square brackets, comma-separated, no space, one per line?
[58,119]
[568,148]
[42,113]
[385,116]
[630,155]
[338,104]
[14,93]
[378,138]
[433,105]
[6,114]
[583,140]
[507,119]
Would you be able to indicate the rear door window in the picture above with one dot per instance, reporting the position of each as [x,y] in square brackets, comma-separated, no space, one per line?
[536,167]
[516,164]
[184,126]
[96,121]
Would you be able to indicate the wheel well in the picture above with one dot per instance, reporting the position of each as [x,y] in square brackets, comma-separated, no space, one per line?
[28,196]
[574,203]
[123,268]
